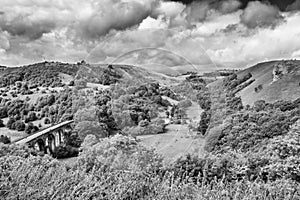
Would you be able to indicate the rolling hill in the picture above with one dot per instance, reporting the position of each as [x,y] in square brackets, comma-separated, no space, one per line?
[275,80]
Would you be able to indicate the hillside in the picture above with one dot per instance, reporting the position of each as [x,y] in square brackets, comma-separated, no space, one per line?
[134,128]
[272,87]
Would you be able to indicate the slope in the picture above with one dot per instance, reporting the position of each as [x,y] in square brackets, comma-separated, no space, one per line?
[275,80]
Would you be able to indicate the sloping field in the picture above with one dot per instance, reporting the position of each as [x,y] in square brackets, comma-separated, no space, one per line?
[178,140]
[286,88]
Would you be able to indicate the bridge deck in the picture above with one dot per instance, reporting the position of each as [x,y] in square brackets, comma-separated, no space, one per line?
[42,132]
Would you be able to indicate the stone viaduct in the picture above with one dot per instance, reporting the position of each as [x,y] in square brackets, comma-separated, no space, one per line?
[48,139]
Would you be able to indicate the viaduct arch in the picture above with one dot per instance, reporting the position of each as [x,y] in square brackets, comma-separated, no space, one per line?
[49,139]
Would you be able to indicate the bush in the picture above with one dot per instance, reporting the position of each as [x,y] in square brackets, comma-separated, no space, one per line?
[3,112]
[4,139]
[47,121]
[119,168]
[1,123]
[31,117]
[31,128]
[258,88]
[10,123]
[19,125]
[65,151]
[72,83]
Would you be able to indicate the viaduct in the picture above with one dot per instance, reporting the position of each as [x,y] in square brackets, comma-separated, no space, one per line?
[48,139]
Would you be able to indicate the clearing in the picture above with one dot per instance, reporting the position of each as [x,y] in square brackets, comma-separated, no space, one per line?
[179,139]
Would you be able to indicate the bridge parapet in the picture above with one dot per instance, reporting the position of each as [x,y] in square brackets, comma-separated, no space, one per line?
[49,139]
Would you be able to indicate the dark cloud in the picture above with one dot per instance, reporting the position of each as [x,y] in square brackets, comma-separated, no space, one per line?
[23,27]
[281,4]
[199,11]
[110,15]
[294,6]
[258,14]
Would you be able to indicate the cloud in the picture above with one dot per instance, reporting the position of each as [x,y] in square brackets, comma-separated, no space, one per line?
[33,30]
[32,18]
[229,6]
[258,14]
[264,44]
[296,54]
[89,19]
[199,11]
[4,41]
[109,15]
[169,9]
[295,6]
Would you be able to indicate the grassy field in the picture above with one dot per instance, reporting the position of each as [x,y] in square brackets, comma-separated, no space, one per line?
[178,140]
[286,88]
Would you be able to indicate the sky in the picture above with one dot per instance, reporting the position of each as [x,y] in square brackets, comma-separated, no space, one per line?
[228,33]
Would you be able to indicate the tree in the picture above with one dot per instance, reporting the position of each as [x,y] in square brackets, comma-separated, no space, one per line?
[167,114]
[31,128]
[259,105]
[10,123]
[3,112]
[50,99]
[71,83]
[86,114]
[1,123]
[85,128]
[19,125]
[4,139]
[31,117]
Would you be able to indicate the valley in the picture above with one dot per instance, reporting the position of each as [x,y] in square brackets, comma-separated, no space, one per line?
[129,122]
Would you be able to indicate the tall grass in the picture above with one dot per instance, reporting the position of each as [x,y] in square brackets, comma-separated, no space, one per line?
[46,178]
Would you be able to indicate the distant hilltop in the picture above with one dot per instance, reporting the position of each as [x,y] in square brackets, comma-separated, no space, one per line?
[2,67]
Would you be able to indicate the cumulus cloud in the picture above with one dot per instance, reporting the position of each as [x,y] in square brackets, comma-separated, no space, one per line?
[199,11]
[91,18]
[32,18]
[258,14]
[104,31]
[169,9]
[265,44]
[229,6]
[109,15]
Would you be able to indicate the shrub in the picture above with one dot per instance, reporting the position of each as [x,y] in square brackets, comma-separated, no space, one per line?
[19,125]
[3,112]
[258,88]
[47,121]
[65,151]
[1,123]
[10,123]
[4,139]
[72,83]
[31,117]
[31,128]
